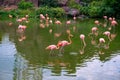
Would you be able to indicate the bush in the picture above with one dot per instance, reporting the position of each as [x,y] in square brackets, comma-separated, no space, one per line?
[52,12]
[84,10]
[50,3]
[95,9]
[73,4]
[6,13]
[114,6]
[24,5]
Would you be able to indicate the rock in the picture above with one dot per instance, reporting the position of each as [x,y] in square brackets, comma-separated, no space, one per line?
[82,17]
[66,8]
[73,12]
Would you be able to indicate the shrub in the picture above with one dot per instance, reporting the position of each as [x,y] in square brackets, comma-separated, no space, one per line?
[24,5]
[52,12]
[84,10]
[6,13]
[95,9]
[50,3]
[73,4]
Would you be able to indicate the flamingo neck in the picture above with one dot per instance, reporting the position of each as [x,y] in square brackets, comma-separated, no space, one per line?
[109,38]
[70,41]
[84,42]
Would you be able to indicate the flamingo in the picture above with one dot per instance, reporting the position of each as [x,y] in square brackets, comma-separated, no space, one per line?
[105,17]
[19,20]
[82,37]
[113,22]
[52,47]
[110,19]
[94,31]
[42,17]
[107,33]
[97,22]
[100,45]
[23,27]
[101,40]
[57,22]
[68,22]
[64,43]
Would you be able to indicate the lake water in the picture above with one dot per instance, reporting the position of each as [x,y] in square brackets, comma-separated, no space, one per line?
[23,55]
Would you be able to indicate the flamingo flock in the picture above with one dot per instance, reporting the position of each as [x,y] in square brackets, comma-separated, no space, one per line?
[103,42]
[108,33]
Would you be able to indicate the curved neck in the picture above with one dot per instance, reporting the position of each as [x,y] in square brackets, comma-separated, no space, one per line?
[70,41]
[109,38]
[84,42]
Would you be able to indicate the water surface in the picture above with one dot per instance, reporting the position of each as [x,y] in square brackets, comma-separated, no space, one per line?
[27,59]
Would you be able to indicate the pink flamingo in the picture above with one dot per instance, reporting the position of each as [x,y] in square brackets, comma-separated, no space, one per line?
[42,17]
[63,43]
[57,22]
[82,37]
[113,22]
[68,22]
[74,18]
[101,40]
[107,33]
[52,47]
[101,45]
[21,28]
[19,20]
[94,31]
[105,17]
[24,18]
[97,22]
[110,19]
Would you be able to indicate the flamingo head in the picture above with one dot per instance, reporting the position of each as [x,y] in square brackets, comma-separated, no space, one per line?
[82,36]
[59,44]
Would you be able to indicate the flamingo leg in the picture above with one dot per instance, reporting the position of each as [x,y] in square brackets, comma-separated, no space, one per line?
[61,50]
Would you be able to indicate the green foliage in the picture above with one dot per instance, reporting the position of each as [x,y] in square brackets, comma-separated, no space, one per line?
[95,9]
[73,4]
[50,3]
[114,5]
[24,5]
[98,8]
[84,10]
[108,11]
[6,13]
[53,12]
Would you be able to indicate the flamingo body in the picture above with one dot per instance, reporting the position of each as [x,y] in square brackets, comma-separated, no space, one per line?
[51,47]
[94,29]
[107,33]
[102,40]
[63,43]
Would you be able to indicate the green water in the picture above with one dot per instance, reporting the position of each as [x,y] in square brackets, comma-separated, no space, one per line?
[27,59]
